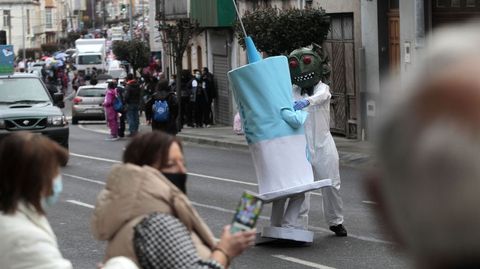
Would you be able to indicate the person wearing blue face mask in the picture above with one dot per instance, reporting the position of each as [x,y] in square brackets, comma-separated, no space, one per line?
[30,182]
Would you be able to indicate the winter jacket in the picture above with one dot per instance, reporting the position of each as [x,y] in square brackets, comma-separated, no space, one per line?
[108,104]
[131,194]
[29,242]
[133,93]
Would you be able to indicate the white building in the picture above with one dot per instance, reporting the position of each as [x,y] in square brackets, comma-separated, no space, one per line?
[30,23]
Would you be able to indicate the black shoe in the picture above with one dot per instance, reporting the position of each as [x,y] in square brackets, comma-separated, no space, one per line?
[339,230]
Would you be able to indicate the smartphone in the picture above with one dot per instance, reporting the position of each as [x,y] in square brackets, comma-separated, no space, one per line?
[246,215]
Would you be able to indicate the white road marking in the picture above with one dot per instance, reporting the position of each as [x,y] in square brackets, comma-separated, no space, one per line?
[225,210]
[369,202]
[221,209]
[94,158]
[85,179]
[80,203]
[191,174]
[92,130]
[302,262]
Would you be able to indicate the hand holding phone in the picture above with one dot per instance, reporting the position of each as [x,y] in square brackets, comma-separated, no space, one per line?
[247,213]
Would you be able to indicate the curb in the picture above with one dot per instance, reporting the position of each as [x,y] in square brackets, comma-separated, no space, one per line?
[212,142]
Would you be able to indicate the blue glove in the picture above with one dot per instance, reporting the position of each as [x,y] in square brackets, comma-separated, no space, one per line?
[300,104]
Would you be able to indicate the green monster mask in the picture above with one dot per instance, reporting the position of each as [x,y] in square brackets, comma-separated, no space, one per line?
[307,68]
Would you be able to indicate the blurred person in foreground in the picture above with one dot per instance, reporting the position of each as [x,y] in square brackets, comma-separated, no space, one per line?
[428,180]
[30,182]
[145,215]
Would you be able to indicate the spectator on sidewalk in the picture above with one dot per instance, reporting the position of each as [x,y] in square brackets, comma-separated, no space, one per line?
[110,113]
[163,229]
[199,100]
[186,109]
[166,122]
[26,192]
[428,177]
[133,95]
[123,114]
[208,85]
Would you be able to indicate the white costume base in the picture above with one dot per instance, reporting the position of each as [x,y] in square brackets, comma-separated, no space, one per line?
[289,220]
[322,151]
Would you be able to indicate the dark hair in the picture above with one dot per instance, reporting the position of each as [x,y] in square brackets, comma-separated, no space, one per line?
[130,76]
[150,149]
[93,81]
[112,85]
[162,86]
[29,163]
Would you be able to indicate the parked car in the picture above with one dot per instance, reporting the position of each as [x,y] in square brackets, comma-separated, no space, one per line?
[88,103]
[26,105]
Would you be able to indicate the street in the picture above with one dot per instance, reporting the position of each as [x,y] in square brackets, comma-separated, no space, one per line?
[217,178]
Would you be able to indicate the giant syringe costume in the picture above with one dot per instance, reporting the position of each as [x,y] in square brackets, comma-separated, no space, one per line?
[275,135]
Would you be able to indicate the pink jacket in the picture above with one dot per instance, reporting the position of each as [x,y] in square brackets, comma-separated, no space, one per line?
[108,103]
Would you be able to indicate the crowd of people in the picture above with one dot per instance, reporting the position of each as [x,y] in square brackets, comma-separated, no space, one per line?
[157,97]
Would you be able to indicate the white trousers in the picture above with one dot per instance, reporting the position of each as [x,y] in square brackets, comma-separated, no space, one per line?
[290,212]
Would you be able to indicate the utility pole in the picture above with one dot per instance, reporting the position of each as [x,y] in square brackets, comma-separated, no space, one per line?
[143,20]
[23,34]
[130,15]
[92,3]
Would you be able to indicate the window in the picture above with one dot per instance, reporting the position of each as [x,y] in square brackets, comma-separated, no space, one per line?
[48,18]
[6,18]
[89,59]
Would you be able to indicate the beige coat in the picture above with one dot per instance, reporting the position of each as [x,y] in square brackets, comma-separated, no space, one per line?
[133,192]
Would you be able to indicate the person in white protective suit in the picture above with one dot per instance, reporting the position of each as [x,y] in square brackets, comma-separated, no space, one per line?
[312,95]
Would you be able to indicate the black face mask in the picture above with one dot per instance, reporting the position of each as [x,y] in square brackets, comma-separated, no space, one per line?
[178,179]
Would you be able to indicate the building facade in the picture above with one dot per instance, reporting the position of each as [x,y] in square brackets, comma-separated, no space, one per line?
[394,34]
[218,49]
[30,23]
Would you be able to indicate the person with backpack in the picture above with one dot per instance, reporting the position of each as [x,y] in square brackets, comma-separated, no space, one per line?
[122,114]
[110,105]
[162,109]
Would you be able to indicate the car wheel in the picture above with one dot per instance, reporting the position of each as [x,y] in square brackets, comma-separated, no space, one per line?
[74,121]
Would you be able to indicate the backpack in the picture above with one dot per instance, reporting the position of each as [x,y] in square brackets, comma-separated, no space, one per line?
[161,112]
[117,104]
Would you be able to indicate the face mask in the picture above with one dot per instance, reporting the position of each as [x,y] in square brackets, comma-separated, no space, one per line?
[178,179]
[197,76]
[56,189]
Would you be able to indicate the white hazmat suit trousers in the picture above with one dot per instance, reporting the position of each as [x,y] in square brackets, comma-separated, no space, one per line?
[322,152]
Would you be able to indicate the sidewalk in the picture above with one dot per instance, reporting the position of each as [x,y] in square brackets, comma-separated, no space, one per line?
[352,153]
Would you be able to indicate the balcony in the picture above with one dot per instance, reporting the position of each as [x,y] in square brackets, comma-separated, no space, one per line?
[174,9]
[213,13]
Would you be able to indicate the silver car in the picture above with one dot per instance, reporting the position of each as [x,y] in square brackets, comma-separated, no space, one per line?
[88,103]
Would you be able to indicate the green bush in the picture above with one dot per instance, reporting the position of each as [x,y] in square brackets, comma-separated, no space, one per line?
[276,31]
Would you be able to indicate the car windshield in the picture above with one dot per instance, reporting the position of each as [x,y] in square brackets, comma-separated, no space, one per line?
[89,59]
[22,90]
[91,92]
